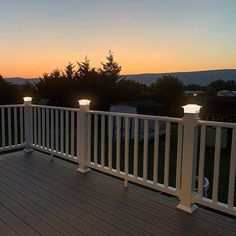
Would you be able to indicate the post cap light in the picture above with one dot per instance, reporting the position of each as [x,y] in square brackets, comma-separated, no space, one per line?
[27,99]
[84,102]
[192,108]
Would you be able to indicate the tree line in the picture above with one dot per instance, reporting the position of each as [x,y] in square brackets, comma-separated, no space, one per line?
[103,86]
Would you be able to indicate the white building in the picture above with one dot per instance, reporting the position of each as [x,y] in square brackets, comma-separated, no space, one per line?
[226,93]
[142,108]
[194,93]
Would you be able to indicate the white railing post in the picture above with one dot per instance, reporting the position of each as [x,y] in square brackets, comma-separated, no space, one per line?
[191,116]
[82,136]
[28,124]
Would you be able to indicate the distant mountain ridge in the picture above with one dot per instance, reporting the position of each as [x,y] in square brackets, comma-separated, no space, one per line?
[21,81]
[193,77]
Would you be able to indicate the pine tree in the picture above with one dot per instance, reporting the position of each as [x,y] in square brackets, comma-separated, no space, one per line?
[69,72]
[85,71]
[111,69]
[55,74]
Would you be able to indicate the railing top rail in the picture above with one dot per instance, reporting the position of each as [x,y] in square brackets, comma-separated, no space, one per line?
[56,108]
[147,117]
[217,124]
[11,105]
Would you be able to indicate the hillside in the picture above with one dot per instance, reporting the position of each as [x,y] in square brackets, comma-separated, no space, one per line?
[20,81]
[194,77]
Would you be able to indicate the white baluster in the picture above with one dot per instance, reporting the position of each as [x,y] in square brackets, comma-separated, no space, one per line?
[118,123]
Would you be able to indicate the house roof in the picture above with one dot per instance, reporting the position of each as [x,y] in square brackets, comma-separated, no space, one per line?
[144,107]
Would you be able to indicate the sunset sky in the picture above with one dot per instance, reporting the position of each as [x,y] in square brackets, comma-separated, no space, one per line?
[145,35]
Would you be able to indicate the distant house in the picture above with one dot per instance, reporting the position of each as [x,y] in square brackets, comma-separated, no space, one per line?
[195,97]
[194,93]
[226,93]
[139,107]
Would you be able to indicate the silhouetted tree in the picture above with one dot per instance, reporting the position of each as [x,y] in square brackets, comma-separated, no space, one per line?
[69,72]
[211,91]
[28,90]
[169,91]
[221,85]
[9,93]
[64,88]
[195,87]
[111,69]
[109,77]
[90,86]
[231,84]
[85,71]
[58,87]
[129,90]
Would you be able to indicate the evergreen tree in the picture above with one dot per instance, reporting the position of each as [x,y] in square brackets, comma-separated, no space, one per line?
[55,74]
[69,73]
[111,69]
[85,71]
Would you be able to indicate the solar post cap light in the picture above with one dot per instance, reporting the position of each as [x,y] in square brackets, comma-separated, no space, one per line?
[27,100]
[84,104]
[191,109]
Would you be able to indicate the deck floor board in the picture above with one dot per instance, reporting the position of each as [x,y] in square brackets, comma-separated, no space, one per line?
[43,197]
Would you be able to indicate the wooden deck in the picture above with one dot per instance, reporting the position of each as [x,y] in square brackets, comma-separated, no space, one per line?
[43,197]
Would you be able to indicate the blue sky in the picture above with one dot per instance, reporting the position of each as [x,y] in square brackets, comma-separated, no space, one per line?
[145,35]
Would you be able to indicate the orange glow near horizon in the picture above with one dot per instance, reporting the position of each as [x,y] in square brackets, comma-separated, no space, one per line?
[34,64]
[31,61]
[35,69]
[146,36]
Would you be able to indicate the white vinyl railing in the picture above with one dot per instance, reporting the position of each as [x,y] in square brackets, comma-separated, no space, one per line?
[129,146]
[55,131]
[222,195]
[11,127]
[171,155]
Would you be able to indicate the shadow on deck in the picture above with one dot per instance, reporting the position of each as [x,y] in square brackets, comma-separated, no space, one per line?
[43,197]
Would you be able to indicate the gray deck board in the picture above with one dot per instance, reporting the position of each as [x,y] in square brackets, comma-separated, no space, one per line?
[15,223]
[6,230]
[27,216]
[51,198]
